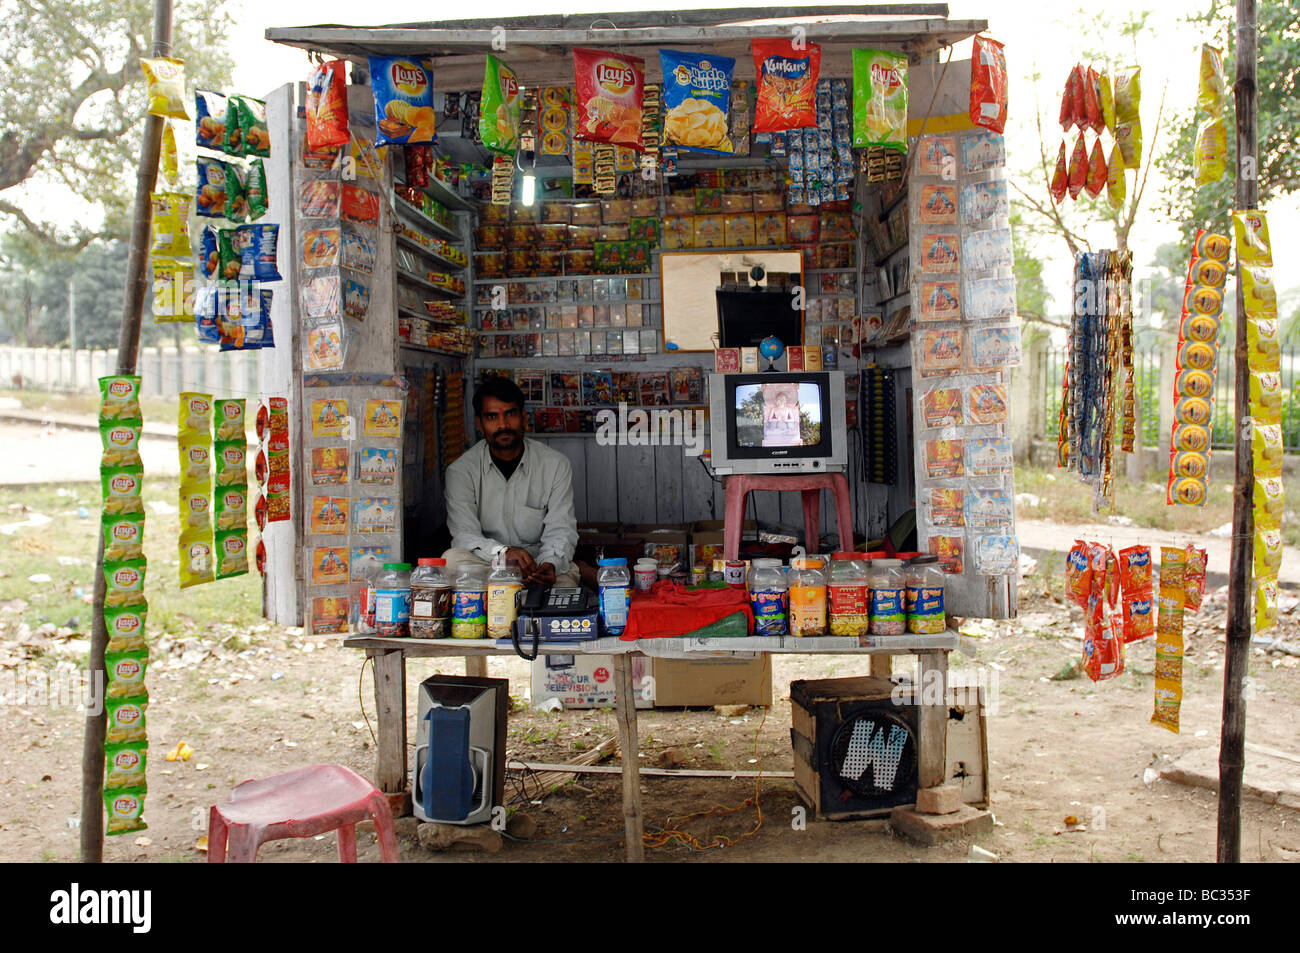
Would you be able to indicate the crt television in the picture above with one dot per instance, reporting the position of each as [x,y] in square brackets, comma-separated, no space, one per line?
[747,317]
[778,423]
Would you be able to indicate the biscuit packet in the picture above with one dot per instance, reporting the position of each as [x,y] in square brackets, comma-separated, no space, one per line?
[609,92]
[787,84]
[232,553]
[1253,244]
[121,489]
[231,505]
[126,719]
[880,99]
[123,536]
[170,224]
[195,558]
[1194,578]
[125,625]
[499,107]
[125,811]
[124,765]
[126,672]
[119,397]
[121,442]
[403,91]
[165,76]
[697,100]
[210,119]
[124,582]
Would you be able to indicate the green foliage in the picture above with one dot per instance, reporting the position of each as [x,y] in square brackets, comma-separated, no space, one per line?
[1032,297]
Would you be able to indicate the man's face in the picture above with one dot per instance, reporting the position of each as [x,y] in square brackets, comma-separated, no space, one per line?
[502,424]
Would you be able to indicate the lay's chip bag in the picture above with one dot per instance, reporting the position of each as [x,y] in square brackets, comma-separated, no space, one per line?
[879,99]
[123,536]
[787,85]
[499,108]
[1253,244]
[119,397]
[232,553]
[697,99]
[403,101]
[125,808]
[166,79]
[125,626]
[609,97]
[195,558]
[126,718]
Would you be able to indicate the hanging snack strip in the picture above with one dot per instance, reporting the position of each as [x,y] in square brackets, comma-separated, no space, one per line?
[1090,396]
[194,443]
[125,609]
[1169,638]
[1092,574]
[1123,290]
[231,490]
[1197,364]
[1255,264]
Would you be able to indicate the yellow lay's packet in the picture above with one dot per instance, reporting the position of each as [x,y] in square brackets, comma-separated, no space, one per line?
[1210,158]
[1116,186]
[1265,604]
[1257,288]
[1266,449]
[1266,396]
[1270,500]
[1107,96]
[1253,244]
[1263,347]
[1211,94]
[166,78]
[1268,553]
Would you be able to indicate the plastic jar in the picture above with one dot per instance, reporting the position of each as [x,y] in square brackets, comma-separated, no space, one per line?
[847,594]
[430,600]
[924,603]
[393,601]
[503,586]
[888,614]
[615,585]
[769,597]
[807,597]
[469,603]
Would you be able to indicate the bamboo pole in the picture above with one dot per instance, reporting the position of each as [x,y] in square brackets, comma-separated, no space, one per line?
[1237,650]
[128,347]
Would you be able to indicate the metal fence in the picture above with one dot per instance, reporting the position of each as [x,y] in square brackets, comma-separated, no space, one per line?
[1151,396]
[164,372]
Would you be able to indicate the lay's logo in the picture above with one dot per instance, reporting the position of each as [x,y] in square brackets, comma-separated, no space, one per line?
[126,624]
[234,500]
[127,668]
[124,532]
[199,406]
[199,550]
[886,77]
[126,577]
[121,388]
[615,76]
[509,87]
[121,436]
[128,715]
[231,410]
[123,483]
[125,804]
[408,78]
[233,455]
[233,545]
[198,503]
[126,758]
[198,454]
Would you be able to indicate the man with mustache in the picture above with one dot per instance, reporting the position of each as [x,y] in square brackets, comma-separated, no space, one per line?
[512,495]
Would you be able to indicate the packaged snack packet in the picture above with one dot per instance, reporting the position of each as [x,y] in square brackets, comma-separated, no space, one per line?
[195,508]
[195,559]
[1266,396]
[1061,177]
[124,765]
[1211,151]
[1210,96]
[125,626]
[988,84]
[608,94]
[1128,125]
[1253,244]
[232,464]
[1097,172]
[232,508]
[195,414]
[168,157]
[1128,136]
[119,397]
[255,139]
[1264,350]
[125,808]
[1268,553]
[126,673]
[123,536]
[210,119]
[1173,566]
[788,78]
[232,553]
[1194,578]
[126,719]
[879,99]
[166,78]
[1138,620]
[1270,501]
[1266,449]
[125,582]
[170,225]
[1265,604]
[1107,96]
[499,107]
[1078,167]
[196,459]
[210,196]
[1135,569]
[228,419]
[121,489]
[173,290]
[1116,185]
[327,106]
[1103,648]
[258,248]
[697,97]
[404,111]
[255,190]
[1092,100]
[121,442]
[1078,573]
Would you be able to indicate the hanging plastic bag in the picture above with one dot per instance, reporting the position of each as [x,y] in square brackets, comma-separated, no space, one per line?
[166,78]
[499,107]
[327,106]
[988,84]
[1061,178]
[880,99]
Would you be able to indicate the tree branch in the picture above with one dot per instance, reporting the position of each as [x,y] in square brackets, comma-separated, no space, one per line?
[42,233]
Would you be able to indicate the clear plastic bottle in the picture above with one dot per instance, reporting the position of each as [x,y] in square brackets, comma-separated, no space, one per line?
[888,615]
[807,597]
[366,600]
[925,610]
[503,586]
[769,597]
[615,585]
[430,600]
[848,595]
[393,601]
[469,603]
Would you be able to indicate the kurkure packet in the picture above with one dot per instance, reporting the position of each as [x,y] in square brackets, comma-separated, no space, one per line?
[879,99]
[403,91]
[697,99]
[499,107]
[609,90]
[787,85]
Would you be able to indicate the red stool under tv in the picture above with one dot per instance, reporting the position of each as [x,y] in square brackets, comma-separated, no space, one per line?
[740,485]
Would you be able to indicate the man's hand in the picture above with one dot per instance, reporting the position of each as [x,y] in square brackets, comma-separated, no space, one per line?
[543,575]
[522,559]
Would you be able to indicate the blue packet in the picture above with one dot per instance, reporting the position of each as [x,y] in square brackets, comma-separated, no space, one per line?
[257,252]
[205,314]
[403,91]
[209,256]
[696,99]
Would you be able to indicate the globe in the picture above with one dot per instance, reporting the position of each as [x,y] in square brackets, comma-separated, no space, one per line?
[771,348]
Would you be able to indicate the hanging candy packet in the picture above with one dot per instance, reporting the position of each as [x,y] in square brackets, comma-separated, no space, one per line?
[787,83]
[499,107]
[125,809]
[879,99]
[170,224]
[696,100]
[166,86]
[403,91]
[988,84]
[210,119]
[608,95]
[1061,177]
[327,106]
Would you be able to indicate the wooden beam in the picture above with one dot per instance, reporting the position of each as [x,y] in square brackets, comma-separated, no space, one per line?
[653,772]
[709,17]
[625,708]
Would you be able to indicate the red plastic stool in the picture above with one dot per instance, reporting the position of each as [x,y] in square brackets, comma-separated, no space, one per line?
[740,485]
[301,803]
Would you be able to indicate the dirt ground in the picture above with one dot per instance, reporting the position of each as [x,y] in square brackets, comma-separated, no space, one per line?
[274,700]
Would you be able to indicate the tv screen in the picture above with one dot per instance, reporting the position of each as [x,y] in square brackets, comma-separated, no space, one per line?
[746,317]
[786,414]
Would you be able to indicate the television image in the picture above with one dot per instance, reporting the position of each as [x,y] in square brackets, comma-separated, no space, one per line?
[778,422]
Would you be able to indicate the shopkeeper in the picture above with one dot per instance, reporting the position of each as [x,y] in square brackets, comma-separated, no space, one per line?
[511,494]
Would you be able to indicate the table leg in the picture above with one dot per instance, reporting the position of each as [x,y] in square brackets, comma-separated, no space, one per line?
[812,517]
[933,718]
[625,709]
[476,666]
[390,703]
[736,489]
[843,509]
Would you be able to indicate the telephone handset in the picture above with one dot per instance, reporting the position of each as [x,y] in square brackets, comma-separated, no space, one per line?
[549,602]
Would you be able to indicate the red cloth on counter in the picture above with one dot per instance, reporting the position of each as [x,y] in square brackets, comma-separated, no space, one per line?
[671,610]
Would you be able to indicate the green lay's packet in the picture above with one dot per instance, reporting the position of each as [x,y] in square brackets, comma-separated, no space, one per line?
[231,459]
[121,489]
[236,193]
[119,397]
[125,811]
[123,536]
[228,419]
[126,673]
[255,190]
[126,719]
[254,138]
[232,508]
[499,108]
[121,442]
[879,99]
[126,627]
[125,582]
[124,765]
[232,553]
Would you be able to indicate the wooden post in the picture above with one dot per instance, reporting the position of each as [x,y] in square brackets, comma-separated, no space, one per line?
[1232,739]
[390,703]
[92,750]
[932,719]
[625,708]
[476,666]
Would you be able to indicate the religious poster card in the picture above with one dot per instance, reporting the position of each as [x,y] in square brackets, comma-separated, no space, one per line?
[941,406]
[987,250]
[367,559]
[949,549]
[327,416]
[329,565]
[947,506]
[329,615]
[937,156]
[989,509]
[375,515]
[377,466]
[988,456]
[940,351]
[983,151]
[383,418]
[944,459]
[940,301]
[993,348]
[938,205]
[939,252]
[329,466]
[986,403]
[984,203]
[990,298]
[997,555]
[329,515]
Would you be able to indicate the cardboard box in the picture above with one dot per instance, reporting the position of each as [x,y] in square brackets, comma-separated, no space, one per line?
[586,681]
[664,543]
[680,683]
[707,539]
